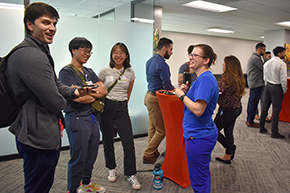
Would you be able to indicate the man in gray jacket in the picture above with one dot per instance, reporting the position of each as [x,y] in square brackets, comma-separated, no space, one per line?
[32,78]
[255,82]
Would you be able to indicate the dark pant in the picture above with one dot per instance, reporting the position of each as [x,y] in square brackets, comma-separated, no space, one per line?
[225,119]
[116,115]
[84,139]
[255,95]
[273,95]
[39,167]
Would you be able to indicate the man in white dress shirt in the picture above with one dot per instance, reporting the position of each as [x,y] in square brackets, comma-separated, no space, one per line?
[275,77]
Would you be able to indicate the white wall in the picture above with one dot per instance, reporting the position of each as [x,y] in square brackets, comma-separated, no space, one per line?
[103,34]
[242,49]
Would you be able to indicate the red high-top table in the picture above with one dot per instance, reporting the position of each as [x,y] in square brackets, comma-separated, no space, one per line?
[285,110]
[175,163]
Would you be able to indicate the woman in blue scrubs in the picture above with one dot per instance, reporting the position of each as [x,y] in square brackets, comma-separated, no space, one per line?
[200,131]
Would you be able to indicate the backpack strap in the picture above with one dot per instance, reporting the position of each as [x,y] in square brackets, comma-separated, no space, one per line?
[21,45]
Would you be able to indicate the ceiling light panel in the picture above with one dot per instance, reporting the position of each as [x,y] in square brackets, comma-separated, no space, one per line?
[219,30]
[209,6]
[284,23]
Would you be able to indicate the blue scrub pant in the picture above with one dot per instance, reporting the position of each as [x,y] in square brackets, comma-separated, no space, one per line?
[198,153]
[39,167]
[84,139]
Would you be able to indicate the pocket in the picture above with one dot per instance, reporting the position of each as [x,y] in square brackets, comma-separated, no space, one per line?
[74,124]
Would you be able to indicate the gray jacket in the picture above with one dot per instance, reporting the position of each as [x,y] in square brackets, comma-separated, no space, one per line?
[255,71]
[33,80]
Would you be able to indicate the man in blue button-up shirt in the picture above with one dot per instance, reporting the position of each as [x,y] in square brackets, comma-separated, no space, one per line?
[158,78]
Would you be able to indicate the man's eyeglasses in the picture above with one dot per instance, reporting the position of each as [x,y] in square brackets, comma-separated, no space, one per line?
[85,52]
[196,55]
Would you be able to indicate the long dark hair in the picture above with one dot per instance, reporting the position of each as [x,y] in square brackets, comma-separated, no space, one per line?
[233,74]
[124,48]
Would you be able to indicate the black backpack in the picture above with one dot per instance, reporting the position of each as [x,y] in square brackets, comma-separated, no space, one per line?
[9,109]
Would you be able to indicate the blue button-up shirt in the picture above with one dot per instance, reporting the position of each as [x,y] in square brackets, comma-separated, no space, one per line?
[158,74]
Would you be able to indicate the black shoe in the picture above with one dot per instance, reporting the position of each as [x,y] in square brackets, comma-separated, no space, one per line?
[223,161]
[234,151]
[278,136]
[263,130]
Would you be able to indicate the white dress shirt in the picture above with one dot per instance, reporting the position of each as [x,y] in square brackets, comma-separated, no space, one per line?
[275,72]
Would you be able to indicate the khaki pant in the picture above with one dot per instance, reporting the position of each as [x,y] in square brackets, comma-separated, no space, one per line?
[156,130]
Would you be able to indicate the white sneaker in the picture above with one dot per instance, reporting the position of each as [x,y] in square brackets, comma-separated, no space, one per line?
[112,175]
[134,182]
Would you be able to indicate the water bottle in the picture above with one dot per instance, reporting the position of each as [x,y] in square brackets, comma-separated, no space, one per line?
[158,177]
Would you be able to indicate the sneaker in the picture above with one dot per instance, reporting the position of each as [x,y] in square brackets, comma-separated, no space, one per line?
[134,182]
[92,187]
[112,175]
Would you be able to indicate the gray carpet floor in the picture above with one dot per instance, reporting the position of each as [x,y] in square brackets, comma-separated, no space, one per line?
[261,165]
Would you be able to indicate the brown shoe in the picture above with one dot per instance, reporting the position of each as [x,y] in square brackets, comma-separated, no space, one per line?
[256,125]
[257,117]
[157,154]
[149,160]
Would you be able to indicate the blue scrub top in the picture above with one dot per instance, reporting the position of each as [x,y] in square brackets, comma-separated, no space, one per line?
[204,88]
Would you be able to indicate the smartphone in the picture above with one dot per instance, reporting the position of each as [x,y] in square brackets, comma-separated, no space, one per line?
[187,77]
[91,86]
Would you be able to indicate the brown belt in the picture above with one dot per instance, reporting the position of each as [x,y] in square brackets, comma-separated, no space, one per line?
[152,93]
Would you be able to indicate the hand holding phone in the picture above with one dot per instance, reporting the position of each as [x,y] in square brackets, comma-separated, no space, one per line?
[89,86]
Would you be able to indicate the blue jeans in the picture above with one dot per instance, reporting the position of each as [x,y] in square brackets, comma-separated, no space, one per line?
[255,96]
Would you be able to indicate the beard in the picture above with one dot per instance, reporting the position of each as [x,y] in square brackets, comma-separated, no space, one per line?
[166,55]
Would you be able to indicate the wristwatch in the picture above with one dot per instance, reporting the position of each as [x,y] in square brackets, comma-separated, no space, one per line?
[182,97]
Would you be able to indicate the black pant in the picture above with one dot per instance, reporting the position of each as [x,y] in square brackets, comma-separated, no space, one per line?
[116,114]
[225,119]
[273,94]
[39,167]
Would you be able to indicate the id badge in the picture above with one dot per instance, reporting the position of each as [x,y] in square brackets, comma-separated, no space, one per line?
[89,82]
[122,79]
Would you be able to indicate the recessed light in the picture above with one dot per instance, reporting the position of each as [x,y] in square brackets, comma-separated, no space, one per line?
[218,30]
[209,6]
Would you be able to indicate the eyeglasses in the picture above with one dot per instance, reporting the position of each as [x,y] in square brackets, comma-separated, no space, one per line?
[195,55]
[85,52]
